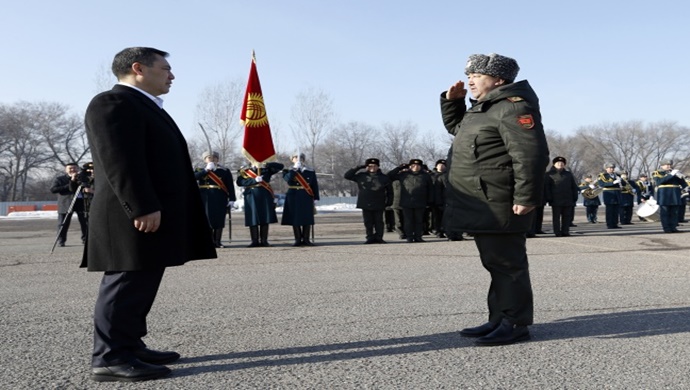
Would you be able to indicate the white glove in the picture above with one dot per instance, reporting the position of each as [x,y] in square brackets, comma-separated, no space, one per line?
[231,204]
[674,172]
[259,179]
[298,165]
[316,201]
[211,166]
[617,181]
[592,186]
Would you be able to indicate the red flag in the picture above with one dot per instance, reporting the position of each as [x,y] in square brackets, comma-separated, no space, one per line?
[258,143]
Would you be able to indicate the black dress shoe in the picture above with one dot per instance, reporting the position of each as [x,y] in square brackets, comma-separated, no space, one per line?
[381,241]
[133,371]
[505,334]
[479,331]
[420,239]
[156,357]
[370,241]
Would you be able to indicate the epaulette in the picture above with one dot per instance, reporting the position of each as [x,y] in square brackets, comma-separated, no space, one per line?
[515,99]
[603,178]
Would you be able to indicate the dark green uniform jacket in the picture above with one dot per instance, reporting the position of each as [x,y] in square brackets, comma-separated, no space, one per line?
[498,159]
[375,191]
[416,188]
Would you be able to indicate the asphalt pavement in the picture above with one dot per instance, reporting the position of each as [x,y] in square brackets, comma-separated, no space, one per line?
[612,312]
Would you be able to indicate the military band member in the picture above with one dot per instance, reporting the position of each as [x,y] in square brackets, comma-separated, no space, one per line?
[416,190]
[645,188]
[375,193]
[611,183]
[259,200]
[684,198]
[628,193]
[591,204]
[217,193]
[300,199]
[669,186]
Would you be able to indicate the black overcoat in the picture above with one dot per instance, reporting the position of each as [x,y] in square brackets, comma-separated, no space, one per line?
[142,163]
[375,190]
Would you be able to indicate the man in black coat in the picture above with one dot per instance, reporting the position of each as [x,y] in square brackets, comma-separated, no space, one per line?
[416,192]
[375,193]
[146,215]
[561,191]
[66,187]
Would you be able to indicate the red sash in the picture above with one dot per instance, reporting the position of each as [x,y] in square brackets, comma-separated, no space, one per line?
[303,182]
[219,182]
[263,184]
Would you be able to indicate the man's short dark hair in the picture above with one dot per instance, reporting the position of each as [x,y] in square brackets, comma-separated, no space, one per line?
[122,63]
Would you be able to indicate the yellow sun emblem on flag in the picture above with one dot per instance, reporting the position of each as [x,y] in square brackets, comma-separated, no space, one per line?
[256,111]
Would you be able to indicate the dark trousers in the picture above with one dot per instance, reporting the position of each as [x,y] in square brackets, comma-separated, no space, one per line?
[414,222]
[399,221]
[537,221]
[390,220]
[373,223]
[669,217]
[510,292]
[681,211]
[562,217]
[437,218]
[592,213]
[124,300]
[626,214]
[83,222]
[612,215]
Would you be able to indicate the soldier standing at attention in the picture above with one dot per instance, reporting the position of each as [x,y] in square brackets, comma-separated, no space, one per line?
[300,199]
[628,192]
[259,200]
[375,193]
[440,181]
[217,193]
[560,190]
[669,185]
[612,194]
[416,191]
[495,181]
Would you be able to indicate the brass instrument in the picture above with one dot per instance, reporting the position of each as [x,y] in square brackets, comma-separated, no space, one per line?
[627,188]
[591,193]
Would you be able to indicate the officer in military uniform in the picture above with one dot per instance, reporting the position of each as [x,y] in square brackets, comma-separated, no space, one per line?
[669,186]
[591,204]
[611,184]
[629,191]
[300,199]
[560,191]
[416,191]
[217,193]
[440,179]
[375,192]
[259,200]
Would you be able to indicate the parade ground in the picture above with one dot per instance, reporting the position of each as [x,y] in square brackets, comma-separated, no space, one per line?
[612,311]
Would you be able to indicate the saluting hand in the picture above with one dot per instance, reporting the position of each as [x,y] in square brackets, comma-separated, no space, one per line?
[148,223]
[456,91]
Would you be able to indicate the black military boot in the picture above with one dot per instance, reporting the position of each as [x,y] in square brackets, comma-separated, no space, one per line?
[254,234]
[263,235]
[305,236]
[217,235]
[298,235]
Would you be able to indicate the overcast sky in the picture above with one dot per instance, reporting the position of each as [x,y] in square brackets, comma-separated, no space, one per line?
[380,61]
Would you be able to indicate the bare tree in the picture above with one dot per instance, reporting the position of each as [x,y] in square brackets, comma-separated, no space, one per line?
[398,143]
[312,117]
[218,110]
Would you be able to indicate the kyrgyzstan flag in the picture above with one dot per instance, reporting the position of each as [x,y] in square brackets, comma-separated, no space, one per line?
[258,143]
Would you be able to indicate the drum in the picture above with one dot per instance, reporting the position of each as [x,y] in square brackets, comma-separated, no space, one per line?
[649,211]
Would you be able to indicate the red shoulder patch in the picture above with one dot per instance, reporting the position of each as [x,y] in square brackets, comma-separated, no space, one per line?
[526,121]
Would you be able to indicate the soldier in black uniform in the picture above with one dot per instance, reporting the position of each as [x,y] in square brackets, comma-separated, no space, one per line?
[375,193]
[217,193]
[439,199]
[611,183]
[560,190]
[416,191]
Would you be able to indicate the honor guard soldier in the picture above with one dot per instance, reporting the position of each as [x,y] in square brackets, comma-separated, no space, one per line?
[669,186]
[217,193]
[375,193]
[416,190]
[590,197]
[611,184]
[300,199]
[628,192]
[259,200]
